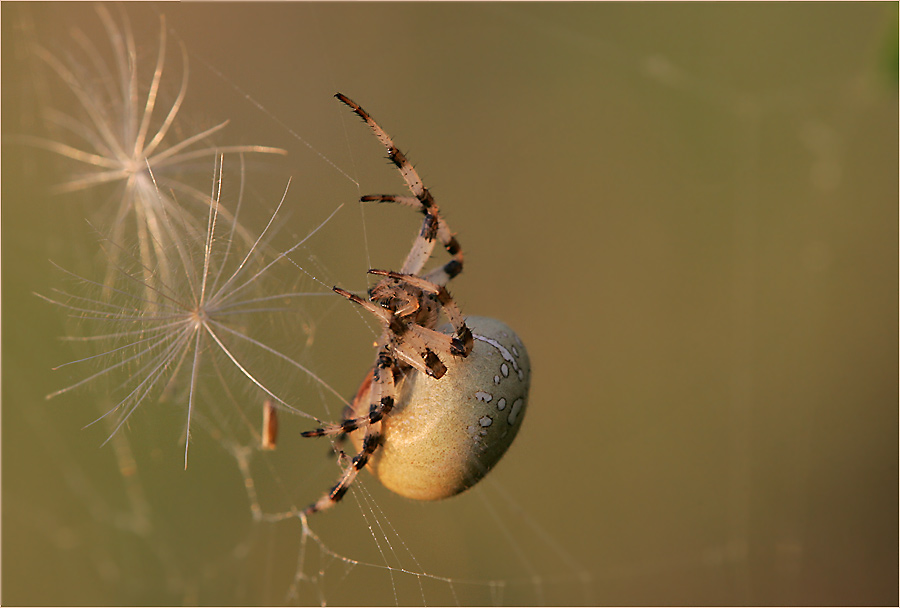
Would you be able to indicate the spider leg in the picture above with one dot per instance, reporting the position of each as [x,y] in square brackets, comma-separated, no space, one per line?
[423,343]
[433,226]
[350,424]
[418,354]
[381,401]
[347,425]
[462,345]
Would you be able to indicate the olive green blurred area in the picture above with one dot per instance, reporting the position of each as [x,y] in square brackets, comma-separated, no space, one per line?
[688,212]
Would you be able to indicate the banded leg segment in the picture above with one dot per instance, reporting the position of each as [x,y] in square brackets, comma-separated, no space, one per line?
[377,411]
[433,226]
[381,401]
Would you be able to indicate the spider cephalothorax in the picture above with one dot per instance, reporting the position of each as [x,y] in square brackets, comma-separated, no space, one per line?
[441,404]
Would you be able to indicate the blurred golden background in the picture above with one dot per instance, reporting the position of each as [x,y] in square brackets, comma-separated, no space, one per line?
[687,211]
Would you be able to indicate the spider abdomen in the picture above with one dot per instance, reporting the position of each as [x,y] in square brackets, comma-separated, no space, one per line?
[443,435]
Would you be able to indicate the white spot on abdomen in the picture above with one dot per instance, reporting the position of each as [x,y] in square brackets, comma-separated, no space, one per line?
[514,412]
[483,396]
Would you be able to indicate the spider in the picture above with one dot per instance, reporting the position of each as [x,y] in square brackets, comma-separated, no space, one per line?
[423,419]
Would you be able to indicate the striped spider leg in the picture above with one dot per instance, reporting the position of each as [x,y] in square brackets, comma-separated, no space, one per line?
[381,403]
[433,226]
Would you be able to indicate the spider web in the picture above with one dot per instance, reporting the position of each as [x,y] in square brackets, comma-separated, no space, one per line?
[676,220]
